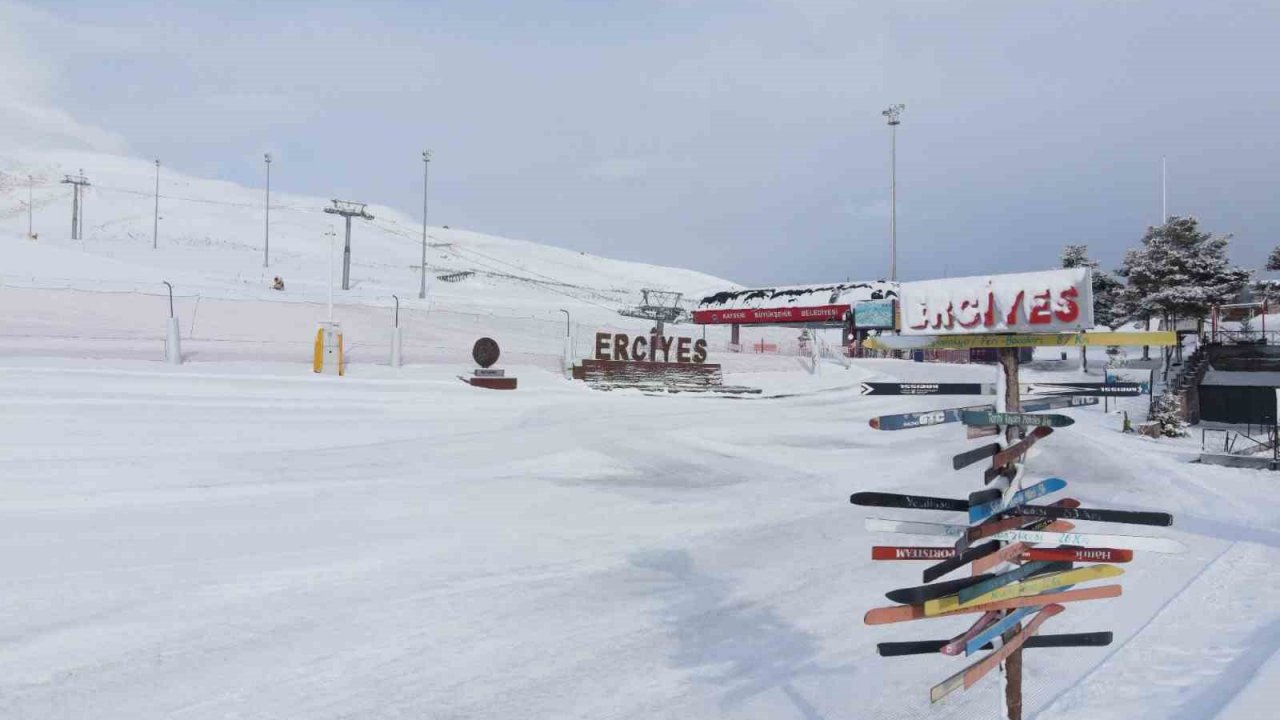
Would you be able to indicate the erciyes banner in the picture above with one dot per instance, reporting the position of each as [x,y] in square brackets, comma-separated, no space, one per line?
[1052,301]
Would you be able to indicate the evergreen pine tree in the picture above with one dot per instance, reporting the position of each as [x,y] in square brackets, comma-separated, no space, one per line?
[1180,272]
[1168,414]
[1269,289]
[1107,290]
[1273,260]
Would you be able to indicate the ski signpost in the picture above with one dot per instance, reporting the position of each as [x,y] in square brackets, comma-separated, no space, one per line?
[1027,560]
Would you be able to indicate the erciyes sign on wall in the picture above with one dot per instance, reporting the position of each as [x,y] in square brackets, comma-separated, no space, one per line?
[649,348]
[1038,302]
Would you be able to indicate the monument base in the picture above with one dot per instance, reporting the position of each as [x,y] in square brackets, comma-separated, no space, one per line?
[490,383]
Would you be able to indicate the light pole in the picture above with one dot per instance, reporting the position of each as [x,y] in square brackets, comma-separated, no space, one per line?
[426,164]
[266,207]
[31,183]
[155,227]
[566,321]
[893,113]
[331,235]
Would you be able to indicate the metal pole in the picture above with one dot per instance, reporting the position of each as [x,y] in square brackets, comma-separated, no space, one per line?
[166,282]
[266,206]
[1164,194]
[346,258]
[893,201]
[155,228]
[75,212]
[894,115]
[397,297]
[331,235]
[31,182]
[426,164]
[566,321]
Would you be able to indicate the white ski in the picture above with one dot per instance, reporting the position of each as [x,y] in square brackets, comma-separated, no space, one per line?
[914,528]
[1093,540]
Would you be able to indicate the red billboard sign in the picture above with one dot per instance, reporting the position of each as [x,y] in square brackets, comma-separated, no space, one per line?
[766,316]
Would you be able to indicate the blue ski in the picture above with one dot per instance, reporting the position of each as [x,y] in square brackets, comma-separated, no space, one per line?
[906,421]
[1021,497]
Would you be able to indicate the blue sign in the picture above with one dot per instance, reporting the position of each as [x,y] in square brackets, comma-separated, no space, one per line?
[874,314]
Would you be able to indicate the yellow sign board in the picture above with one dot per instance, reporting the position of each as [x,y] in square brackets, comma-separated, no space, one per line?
[1094,339]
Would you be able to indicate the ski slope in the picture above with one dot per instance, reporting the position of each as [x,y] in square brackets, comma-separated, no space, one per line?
[256,541]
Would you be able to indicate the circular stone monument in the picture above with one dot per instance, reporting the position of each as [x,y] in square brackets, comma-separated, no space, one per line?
[485,352]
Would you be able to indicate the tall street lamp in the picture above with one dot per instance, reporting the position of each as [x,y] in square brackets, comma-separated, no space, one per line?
[266,206]
[893,113]
[155,227]
[426,164]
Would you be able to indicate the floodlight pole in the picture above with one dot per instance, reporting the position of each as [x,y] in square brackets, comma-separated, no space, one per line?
[893,113]
[266,208]
[330,234]
[426,164]
[155,227]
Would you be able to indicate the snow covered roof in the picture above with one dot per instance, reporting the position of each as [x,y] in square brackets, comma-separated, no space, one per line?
[799,296]
[790,305]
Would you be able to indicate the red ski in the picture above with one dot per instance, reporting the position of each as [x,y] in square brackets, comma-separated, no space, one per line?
[898,552]
[1020,448]
[1102,555]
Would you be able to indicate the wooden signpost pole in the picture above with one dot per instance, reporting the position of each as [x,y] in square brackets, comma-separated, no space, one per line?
[1013,664]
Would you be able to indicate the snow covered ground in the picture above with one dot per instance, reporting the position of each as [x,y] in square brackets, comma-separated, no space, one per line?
[252,540]
[238,537]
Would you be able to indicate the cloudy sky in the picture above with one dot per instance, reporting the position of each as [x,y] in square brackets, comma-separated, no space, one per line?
[742,138]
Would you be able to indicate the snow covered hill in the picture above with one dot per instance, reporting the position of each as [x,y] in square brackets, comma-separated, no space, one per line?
[209,245]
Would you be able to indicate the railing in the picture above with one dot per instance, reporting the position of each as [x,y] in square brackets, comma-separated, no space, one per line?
[1244,337]
[1225,442]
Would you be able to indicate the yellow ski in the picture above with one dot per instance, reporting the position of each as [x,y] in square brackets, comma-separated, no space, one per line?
[1026,588]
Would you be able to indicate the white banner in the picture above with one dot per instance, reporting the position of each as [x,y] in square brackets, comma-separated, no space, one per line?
[1053,301]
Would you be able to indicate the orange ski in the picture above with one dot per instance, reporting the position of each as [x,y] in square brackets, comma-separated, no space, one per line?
[904,613]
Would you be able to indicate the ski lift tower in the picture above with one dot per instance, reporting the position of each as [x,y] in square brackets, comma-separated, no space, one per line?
[348,210]
[660,306]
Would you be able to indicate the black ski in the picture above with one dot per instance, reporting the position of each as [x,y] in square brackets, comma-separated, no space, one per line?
[969,457]
[979,498]
[928,647]
[921,593]
[1132,517]
[911,502]
[1086,389]
[885,388]
[933,572]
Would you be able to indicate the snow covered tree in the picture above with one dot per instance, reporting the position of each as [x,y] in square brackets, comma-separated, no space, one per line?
[1269,290]
[1167,413]
[1180,272]
[1108,292]
[1273,260]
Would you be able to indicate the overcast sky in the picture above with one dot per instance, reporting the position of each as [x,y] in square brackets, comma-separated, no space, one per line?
[742,138]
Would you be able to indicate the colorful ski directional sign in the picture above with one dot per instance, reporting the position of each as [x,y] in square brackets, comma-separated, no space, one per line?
[984,418]
[1086,389]
[898,388]
[907,613]
[1060,640]
[907,421]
